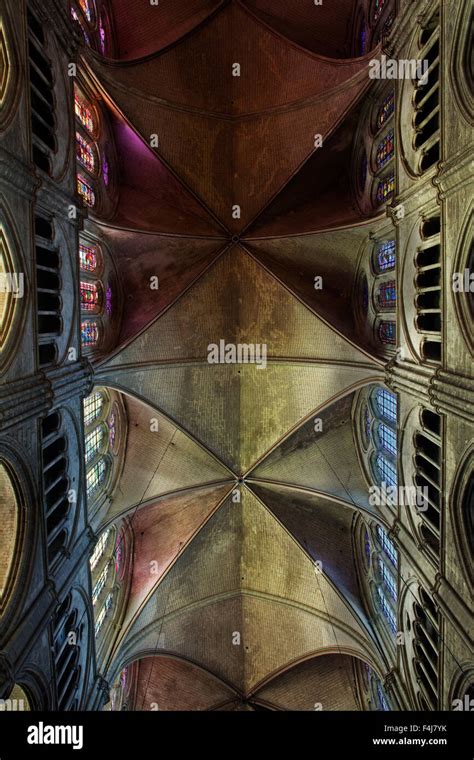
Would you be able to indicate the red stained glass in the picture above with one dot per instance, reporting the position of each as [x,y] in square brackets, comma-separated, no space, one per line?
[84,188]
[90,296]
[88,257]
[84,114]
[85,153]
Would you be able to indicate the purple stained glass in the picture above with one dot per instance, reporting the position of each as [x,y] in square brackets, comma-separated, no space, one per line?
[363,38]
[108,300]
[387,332]
[102,40]
[105,170]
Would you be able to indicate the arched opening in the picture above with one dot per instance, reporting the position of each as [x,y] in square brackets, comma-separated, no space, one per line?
[9,529]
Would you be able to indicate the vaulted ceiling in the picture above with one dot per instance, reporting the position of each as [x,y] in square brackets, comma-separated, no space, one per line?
[235,496]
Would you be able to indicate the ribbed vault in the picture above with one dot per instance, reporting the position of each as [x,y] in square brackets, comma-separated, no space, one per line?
[244,574]
[210,119]
[234,495]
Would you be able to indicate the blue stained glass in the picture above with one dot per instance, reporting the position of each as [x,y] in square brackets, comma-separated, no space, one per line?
[386,403]
[385,150]
[93,442]
[388,438]
[386,256]
[381,697]
[89,333]
[387,470]
[385,189]
[386,110]
[92,407]
[95,476]
[387,545]
[388,580]
[387,610]
[96,591]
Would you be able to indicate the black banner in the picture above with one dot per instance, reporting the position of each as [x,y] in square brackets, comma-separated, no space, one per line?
[122,734]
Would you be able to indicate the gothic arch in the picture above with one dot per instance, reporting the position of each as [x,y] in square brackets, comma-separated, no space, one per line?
[464,261]
[10,86]
[461,509]
[459,74]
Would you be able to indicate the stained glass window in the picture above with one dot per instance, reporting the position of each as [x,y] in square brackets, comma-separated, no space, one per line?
[90,296]
[388,580]
[378,8]
[92,407]
[103,612]
[387,333]
[108,300]
[386,256]
[100,620]
[386,110]
[388,438]
[101,581]
[102,40]
[387,610]
[384,150]
[95,476]
[105,170]
[387,545]
[381,697]
[123,678]
[86,8]
[99,548]
[84,114]
[88,257]
[386,402]
[386,470]
[85,153]
[387,295]
[93,442]
[119,554]
[89,333]
[111,427]
[385,188]
[363,38]
[84,188]
[75,17]
[367,546]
